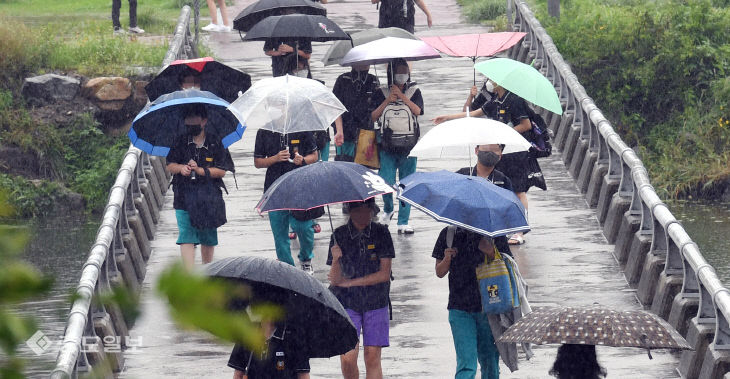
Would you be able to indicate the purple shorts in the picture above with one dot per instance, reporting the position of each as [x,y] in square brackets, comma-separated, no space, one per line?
[375,326]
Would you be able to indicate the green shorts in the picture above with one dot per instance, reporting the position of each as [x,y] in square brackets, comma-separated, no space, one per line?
[189,234]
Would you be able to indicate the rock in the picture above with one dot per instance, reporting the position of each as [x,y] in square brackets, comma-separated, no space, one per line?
[50,88]
[140,95]
[15,161]
[112,105]
[108,89]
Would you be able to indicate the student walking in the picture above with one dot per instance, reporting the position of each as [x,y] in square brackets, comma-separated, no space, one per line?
[401,13]
[133,28]
[355,89]
[214,25]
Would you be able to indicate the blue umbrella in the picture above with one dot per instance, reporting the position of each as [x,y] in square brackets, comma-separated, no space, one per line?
[469,202]
[160,123]
[322,183]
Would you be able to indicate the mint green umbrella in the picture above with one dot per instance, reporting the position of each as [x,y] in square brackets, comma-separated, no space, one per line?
[522,80]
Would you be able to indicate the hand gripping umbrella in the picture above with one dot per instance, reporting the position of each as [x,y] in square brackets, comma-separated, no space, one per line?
[160,123]
[262,9]
[311,310]
[338,49]
[469,202]
[223,81]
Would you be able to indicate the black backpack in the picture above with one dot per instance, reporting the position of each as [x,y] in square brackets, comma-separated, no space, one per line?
[539,136]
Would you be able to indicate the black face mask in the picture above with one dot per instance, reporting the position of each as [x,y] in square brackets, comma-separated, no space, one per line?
[193,129]
[488,158]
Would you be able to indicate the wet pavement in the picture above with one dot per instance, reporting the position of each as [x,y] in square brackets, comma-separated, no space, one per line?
[566,259]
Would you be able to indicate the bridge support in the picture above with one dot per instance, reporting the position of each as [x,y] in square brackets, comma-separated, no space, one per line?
[619,205]
[630,224]
[144,214]
[586,170]
[593,193]
[126,268]
[671,305]
[605,196]
[699,336]
[130,243]
[716,363]
[562,131]
[571,140]
[579,155]
[640,246]
[105,330]
[135,224]
[683,309]
[649,281]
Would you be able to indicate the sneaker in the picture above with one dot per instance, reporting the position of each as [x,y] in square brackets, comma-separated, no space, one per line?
[307,267]
[224,28]
[210,27]
[317,228]
[292,236]
[405,229]
[386,217]
[136,30]
[118,31]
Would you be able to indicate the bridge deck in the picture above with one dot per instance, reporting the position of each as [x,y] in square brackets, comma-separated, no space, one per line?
[566,260]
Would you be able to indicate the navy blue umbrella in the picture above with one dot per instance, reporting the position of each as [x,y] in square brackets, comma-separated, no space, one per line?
[469,202]
[160,123]
[322,183]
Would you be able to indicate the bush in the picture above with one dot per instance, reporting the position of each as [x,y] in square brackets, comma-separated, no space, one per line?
[22,50]
[480,10]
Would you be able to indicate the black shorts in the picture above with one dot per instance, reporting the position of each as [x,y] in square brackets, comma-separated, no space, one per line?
[514,166]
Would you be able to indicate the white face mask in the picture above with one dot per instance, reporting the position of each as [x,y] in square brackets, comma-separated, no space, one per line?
[301,73]
[489,86]
[401,78]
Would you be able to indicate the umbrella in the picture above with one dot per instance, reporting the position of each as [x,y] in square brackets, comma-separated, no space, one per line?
[474,45]
[262,9]
[160,123]
[385,49]
[522,80]
[460,136]
[594,326]
[288,104]
[223,81]
[339,48]
[310,308]
[469,202]
[296,26]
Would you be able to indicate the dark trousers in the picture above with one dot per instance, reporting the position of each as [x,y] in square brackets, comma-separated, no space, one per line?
[116,5]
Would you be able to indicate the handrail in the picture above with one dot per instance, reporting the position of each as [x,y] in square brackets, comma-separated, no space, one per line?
[618,161]
[119,253]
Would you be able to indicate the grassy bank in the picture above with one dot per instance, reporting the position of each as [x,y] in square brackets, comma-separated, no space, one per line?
[659,70]
[41,36]
[487,12]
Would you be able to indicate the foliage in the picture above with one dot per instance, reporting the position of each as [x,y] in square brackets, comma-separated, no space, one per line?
[201,303]
[31,199]
[483,10]
[659,70]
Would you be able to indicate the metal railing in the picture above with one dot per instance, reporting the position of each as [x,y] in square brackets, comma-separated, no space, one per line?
[672,277]
[119,254]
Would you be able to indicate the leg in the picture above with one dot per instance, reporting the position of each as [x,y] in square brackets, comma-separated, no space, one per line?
[187,238]
[324,155]
[387,172]
[187,251]
[279,221]
[304,231]
[486,349]
[348,362]
[347,149]
[116,4]
[206,253]
[224,12]
[208,242]
[407,166]
[213,12]
[132,13]
[373,369]
[523,199]
[464,331]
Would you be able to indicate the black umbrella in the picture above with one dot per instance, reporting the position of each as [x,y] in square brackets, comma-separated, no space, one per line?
[311,309]
[223,81]
[265,8]
[296,26]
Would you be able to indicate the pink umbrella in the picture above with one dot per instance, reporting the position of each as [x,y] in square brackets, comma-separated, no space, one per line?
[474,45]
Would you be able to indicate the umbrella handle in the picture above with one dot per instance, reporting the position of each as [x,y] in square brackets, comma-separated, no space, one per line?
[329,215]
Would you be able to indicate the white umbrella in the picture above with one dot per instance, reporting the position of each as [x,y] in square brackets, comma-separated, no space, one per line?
[287,104]
[385,49]
[458,138]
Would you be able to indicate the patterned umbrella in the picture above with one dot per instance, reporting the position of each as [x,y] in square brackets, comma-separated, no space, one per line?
[594,326]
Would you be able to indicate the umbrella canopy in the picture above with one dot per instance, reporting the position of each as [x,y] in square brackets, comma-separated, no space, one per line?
[386,49]
[459,137]
[338,49]
[223,81]
[522,80]
[474,45]
[288,104]
[469,202]
[160,123]
[262,9]
[326,183]
[594,326]
[314,28]
[310,308]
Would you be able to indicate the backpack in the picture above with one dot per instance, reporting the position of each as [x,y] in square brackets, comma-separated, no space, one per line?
[398,125]
[539,136]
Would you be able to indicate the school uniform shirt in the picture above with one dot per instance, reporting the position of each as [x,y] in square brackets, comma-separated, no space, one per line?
[269,143]
[354,90]
[397,13]
[280,359]
[501,180]
[378,97]
[210,154]
[361,255]
[482,98]
[282,64]
[463,285]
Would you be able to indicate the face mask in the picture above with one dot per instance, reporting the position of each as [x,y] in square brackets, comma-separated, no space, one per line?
[193,129]
[488,158]
[489,86]
[401,78]
[301,73]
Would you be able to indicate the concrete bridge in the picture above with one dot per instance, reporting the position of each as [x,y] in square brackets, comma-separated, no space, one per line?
[600,234]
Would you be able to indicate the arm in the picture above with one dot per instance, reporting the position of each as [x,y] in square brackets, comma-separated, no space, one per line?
[440,119]
[339,134]
[377,112]
[305,375]
[304,54]
[523,126]
[177,168]
[443,265]
[382,276]
[215,172]
[335,275]
[421,4]
[469,99]
[267,162]
[374,1]
[238,374]
[415,109]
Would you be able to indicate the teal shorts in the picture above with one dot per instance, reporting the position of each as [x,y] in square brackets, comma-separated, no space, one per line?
[189,234]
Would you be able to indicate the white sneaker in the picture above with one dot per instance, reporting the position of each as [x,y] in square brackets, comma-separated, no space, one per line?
[224,29]
[119,31]
[307,267]
[405,229]
[136,30]
[385,218]
[210,27]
